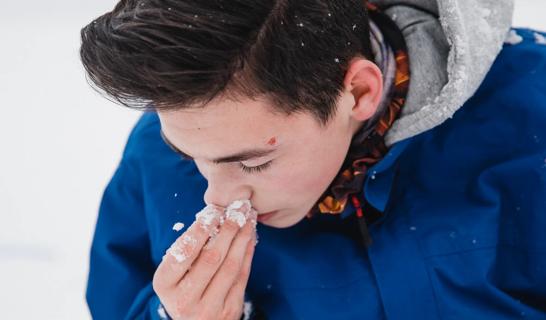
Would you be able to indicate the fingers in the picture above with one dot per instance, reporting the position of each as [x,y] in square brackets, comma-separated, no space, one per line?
[204,264]
[231,267]
[236,294]
[211,257]
[185,249]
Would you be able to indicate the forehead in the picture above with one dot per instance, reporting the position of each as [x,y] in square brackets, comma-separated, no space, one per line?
[229,126]
[220,115]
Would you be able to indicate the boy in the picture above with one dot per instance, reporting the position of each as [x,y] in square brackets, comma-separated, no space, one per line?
[393,151]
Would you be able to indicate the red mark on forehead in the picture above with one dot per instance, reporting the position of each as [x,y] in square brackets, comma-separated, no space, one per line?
[272,141]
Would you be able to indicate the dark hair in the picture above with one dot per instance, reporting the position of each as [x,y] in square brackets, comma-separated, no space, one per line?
[173,54]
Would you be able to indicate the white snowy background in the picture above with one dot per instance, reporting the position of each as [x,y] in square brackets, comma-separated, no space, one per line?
[59,145]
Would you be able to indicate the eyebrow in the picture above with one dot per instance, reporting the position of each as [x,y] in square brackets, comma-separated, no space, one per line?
[240,156]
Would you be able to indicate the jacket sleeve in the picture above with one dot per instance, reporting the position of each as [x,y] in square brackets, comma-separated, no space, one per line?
[521,260]
[520,179]
[121,269]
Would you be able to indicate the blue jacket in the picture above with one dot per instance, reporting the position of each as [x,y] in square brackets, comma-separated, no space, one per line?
[462,234]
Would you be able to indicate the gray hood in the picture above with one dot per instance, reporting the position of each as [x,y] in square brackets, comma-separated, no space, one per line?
[451,45]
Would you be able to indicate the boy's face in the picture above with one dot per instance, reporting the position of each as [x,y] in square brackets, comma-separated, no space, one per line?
[304,158]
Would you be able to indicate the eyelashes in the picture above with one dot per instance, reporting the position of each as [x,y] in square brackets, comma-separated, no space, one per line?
[245,169]
[256,169]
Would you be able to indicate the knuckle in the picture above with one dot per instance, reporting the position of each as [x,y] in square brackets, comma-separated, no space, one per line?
[246,230]
[184,307]
[205,315]
[185,245]
[156,284]
[159,282]
[181,309]
[232,266]
[211,256]
[187,249]
[243,274]
[231,225]
[249,229]
[201,230]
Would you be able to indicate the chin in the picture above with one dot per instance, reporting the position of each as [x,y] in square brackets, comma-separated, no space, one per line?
[277,225]
[282,221]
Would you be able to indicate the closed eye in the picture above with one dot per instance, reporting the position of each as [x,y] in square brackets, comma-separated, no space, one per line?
[256,169]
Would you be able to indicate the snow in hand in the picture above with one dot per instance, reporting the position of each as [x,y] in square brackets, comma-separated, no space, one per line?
[181,251]
[207,215]
[239,211]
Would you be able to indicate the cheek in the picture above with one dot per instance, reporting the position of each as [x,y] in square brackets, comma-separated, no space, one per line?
[308,180]
[320,175]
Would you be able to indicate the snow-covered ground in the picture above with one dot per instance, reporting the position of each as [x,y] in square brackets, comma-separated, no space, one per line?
[60,142]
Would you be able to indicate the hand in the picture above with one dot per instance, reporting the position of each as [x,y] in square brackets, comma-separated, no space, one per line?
[208,282]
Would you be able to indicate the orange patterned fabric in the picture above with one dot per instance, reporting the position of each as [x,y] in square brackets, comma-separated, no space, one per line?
[368,150]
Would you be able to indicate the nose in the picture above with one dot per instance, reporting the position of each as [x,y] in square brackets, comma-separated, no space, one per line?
[224,188]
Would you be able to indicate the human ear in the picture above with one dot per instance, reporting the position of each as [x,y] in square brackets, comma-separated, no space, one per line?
[365,82]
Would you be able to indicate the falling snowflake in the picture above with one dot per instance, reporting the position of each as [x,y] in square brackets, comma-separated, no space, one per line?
[540,39]
[178,226]
[513,37]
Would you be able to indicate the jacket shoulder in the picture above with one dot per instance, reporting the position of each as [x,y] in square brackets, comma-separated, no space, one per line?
[510,105]
[145,139]
[490,157]
[519,71]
